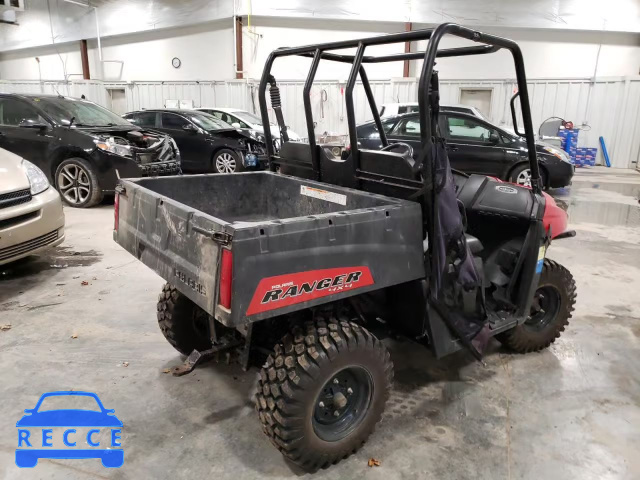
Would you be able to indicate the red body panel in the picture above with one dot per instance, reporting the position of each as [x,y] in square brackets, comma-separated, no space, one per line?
[554,217]
[284,290]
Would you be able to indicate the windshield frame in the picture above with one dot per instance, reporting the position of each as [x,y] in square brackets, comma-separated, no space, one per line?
[60,110]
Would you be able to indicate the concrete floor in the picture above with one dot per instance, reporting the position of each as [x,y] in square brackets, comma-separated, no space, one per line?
[570,412]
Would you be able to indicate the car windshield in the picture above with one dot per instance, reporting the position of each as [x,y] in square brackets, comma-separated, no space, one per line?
[248,117]
[66,402]
[83,112]
[209,122]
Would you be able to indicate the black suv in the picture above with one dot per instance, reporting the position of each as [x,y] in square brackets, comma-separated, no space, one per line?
[207,144]
[82,147]
[476,146]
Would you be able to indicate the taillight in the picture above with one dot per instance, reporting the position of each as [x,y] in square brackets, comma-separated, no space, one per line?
[226,275]
[116,211]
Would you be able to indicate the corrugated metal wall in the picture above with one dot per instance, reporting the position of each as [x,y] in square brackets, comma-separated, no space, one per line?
[608,107]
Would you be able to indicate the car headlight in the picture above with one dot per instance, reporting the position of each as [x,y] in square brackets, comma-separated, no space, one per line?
[561,154]
[37,179]
[110,145]
[256,135]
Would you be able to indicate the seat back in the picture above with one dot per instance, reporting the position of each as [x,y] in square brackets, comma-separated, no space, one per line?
[393,169]
[295,159]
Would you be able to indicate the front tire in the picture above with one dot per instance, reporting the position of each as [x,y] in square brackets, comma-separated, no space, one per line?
[78,184]
[323,390]
[227,161]
[553,306]
[182,322]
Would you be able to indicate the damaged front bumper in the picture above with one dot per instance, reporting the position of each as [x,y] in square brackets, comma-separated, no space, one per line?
[144,162]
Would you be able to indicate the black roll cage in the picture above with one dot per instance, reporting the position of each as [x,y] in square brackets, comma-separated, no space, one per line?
[317,52]
[422,183]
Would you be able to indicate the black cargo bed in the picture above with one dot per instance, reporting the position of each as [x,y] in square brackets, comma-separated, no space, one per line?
[280,230]
[258,197]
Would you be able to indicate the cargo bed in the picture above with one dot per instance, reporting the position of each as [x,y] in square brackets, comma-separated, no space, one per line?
[290,242]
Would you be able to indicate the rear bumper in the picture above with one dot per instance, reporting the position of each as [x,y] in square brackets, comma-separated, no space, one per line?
[31,227]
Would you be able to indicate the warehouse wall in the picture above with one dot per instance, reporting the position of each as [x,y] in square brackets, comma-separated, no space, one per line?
[547,53]
[206,51]
[559,65]
[609,107]
[266,34]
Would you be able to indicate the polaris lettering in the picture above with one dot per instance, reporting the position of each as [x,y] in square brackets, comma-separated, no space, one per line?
[285,290]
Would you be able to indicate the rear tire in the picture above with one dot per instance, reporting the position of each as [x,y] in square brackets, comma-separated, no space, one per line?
[310,417]
[227,161]
[557,291]
[182,322]
[78,184]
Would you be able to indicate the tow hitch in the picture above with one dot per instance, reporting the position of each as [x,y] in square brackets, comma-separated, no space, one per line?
[195,358]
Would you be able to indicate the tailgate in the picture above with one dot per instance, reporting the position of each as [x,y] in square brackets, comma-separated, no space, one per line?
[172,239]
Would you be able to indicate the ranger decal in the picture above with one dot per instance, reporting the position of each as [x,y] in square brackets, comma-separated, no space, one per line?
[284,290]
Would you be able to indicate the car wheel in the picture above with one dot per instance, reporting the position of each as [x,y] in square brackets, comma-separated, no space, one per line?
[227,161]
[522,176]
[78,183]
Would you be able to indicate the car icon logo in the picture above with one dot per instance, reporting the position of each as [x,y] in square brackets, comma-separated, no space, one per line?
[39,428]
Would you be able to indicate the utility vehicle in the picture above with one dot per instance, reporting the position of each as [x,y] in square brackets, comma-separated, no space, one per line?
[302,262]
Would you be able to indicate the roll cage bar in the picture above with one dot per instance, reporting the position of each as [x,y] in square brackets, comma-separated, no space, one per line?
[428,98]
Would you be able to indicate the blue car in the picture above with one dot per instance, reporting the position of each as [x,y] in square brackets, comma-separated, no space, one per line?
[28,457]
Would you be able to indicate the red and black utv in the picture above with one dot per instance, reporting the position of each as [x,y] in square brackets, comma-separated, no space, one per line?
[301,263]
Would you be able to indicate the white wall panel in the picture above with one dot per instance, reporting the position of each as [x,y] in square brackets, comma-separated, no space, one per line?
[608,107]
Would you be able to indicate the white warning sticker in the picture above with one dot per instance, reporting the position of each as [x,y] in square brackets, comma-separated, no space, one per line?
[323,195]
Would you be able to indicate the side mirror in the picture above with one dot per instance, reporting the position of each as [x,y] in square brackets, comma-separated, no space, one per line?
[494,138]
[28,410]
[189,128]
[35,125]
[235,125]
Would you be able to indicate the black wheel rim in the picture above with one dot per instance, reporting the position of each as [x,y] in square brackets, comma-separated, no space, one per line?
[342,404]
[545,307]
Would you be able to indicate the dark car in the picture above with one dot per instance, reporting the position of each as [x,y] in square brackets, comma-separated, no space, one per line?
[476,146]
[206,143]
[82,147]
